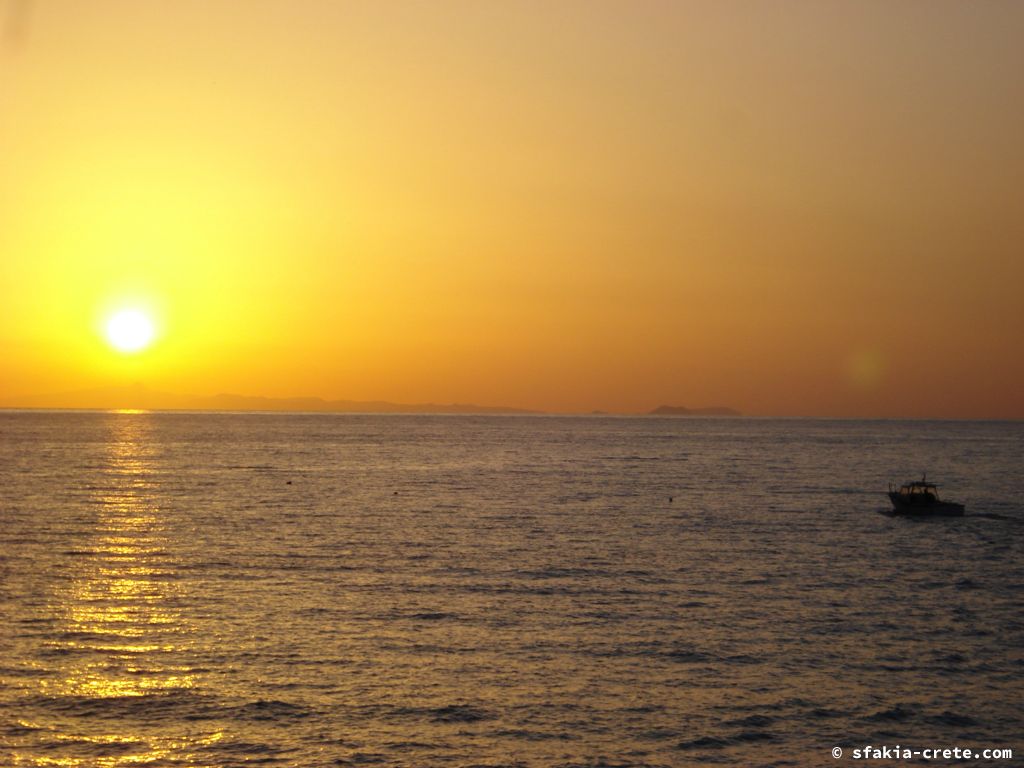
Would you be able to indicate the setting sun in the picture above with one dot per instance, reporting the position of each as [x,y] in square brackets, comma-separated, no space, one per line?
[130,331]
[588,382]
[605,206]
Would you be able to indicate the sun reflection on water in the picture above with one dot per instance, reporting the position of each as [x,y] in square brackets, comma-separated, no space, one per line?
[120,637]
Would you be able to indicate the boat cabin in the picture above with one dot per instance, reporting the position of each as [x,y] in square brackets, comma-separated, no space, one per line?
[917,492]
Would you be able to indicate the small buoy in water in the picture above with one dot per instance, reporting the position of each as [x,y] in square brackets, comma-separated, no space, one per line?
[396,493]
[288,483]
[669,499]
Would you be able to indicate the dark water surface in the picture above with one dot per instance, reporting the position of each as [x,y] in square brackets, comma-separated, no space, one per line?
[322,590]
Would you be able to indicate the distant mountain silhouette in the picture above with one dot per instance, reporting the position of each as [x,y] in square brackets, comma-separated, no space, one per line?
[679,410]
[141,397]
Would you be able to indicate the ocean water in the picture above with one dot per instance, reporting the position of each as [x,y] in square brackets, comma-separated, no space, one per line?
[334,590]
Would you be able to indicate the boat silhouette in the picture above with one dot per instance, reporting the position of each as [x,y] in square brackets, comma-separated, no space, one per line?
[921,499]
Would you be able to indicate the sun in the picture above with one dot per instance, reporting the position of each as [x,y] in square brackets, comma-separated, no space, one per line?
[130,331]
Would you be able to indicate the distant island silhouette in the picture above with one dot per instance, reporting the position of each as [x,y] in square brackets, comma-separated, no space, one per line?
[140,397]
[679,410]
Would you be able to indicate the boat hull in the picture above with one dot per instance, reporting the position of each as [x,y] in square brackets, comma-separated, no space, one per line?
[934,508]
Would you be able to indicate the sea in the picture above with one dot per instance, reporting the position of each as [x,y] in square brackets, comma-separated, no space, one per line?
[244,589]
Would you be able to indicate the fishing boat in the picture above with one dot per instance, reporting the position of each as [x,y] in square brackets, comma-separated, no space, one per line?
[921,499]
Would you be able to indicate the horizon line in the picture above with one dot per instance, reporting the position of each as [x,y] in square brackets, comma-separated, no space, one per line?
[517,413]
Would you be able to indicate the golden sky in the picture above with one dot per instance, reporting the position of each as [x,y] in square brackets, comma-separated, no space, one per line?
[799,208]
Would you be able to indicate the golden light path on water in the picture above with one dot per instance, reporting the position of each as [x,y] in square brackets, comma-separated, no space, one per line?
[120,634]
[201,589]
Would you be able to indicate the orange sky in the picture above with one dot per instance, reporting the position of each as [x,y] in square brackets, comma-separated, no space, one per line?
[790,208]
